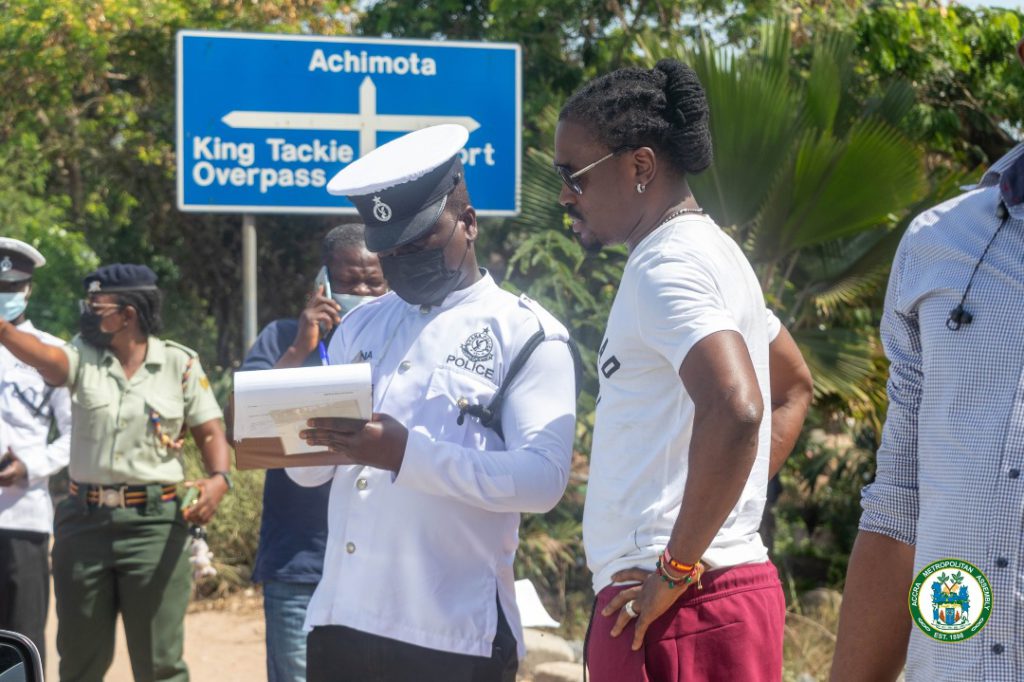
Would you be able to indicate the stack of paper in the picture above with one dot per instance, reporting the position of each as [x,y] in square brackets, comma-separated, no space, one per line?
[276,403]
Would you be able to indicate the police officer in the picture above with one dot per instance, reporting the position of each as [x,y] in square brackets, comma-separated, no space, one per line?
[28,410]
[423,527]
[293,528]
[120,538]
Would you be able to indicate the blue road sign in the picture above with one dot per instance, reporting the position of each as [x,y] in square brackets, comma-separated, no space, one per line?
[264,121]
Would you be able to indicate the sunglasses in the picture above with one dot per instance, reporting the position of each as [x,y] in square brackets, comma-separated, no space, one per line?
[86,305]
[571,178]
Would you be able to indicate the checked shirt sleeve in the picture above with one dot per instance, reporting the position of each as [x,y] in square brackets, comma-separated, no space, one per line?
[890,504]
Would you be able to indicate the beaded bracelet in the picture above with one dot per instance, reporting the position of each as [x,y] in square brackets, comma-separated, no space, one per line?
[693,575]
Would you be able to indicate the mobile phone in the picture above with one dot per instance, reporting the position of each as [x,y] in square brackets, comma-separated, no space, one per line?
[323,280]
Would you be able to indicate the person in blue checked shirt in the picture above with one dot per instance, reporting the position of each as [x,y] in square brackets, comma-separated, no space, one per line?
[948,482]
[293,531]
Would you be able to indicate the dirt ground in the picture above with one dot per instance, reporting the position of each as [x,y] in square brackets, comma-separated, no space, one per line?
[223,643]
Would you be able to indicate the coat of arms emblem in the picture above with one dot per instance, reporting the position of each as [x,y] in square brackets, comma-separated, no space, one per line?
[951,603]
[479,346]
[381,211]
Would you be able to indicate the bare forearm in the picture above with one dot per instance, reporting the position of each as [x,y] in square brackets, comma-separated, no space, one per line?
[873,633]
[792,389]
[213,446]
[787,421]
[722,453]
[50,361]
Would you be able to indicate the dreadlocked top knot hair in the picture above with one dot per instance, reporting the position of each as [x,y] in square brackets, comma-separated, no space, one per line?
[663,108]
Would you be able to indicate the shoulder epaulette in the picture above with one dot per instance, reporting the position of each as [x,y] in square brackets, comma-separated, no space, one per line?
[549,324]
[177,346]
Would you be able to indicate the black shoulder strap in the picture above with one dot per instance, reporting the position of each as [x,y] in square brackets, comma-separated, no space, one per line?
[490,414]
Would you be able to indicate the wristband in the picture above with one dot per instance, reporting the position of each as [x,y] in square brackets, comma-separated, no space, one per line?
[225,476]
[668,561]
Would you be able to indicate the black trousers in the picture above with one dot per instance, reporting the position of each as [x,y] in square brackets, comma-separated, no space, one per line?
[340,654]
[25,584]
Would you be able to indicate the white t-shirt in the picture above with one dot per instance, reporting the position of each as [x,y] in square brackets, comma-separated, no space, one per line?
[683,282]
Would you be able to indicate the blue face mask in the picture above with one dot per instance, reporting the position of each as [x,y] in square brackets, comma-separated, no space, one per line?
[350,301]
[12,305]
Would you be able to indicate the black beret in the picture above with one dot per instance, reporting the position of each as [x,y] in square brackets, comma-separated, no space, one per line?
[119,277]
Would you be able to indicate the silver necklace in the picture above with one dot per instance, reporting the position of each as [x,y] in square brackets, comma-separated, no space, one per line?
[676,214]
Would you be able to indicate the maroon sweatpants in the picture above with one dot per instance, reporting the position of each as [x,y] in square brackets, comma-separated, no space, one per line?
[730,630]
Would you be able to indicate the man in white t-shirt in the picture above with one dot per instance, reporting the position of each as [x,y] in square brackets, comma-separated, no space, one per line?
[683,443]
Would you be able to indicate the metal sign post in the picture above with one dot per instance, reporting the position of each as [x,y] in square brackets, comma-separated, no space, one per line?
[248,279]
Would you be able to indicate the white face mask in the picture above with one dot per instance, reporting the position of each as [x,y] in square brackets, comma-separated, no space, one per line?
[12,305]
[350,301]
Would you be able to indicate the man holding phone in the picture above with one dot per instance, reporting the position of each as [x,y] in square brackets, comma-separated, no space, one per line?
[28,410]
[293,531]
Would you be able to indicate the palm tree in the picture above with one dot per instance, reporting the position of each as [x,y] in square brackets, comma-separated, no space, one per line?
[816,183]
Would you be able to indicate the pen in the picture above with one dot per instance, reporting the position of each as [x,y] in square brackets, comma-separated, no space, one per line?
[323,353]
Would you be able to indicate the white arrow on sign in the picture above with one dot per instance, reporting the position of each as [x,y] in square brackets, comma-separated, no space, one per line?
[368,122]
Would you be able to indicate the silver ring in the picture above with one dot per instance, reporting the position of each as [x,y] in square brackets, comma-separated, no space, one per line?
[630,611]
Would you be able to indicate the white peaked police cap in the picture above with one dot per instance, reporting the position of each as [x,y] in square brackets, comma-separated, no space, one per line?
[18,260]
[400,188]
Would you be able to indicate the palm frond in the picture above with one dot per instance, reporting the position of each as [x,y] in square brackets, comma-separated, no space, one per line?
[840,360]
[753,118]
[840,187]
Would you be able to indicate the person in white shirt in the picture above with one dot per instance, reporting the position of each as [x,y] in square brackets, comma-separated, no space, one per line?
[29,408]
[423,515]
[689,425]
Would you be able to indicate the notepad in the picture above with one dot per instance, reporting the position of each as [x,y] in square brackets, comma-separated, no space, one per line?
[276,403]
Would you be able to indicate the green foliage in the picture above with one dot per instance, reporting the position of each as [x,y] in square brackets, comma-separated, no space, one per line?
[27,216]
[818,512]
[563,42]
[88,117]
[812,186]
[967,79]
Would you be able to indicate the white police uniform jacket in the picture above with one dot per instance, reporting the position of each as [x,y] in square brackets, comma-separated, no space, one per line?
[419,556]
[27,408]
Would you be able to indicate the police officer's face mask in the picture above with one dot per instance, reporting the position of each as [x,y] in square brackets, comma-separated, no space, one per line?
[422,277]
[12,305]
